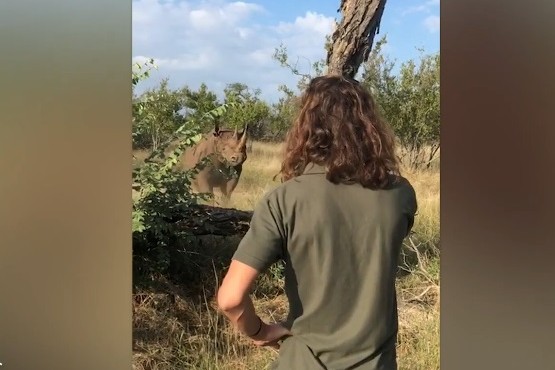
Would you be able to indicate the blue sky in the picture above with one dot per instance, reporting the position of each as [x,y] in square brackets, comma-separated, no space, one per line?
[219,42]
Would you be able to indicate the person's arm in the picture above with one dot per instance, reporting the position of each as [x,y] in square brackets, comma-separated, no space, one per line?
[234,299]
[261,247]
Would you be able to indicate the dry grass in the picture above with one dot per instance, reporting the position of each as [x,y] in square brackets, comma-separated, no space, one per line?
[426,185]
[190,334]
[257,177]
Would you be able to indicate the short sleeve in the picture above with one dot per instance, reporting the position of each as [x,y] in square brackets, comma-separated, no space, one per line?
[264,242]
[411,208]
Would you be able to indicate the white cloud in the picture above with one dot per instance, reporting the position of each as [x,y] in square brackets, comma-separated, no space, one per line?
[424,6]
[432,23]
[219,42]
[187,62]
[311,22]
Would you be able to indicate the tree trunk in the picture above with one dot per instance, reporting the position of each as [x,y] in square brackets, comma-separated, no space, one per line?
[353,38]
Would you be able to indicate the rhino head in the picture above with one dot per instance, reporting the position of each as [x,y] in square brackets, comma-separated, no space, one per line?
[230,146]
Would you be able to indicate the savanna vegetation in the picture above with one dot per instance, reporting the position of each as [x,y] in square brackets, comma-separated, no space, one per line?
[176,271]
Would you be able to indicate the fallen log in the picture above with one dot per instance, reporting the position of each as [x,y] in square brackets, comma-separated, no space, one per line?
[210,220]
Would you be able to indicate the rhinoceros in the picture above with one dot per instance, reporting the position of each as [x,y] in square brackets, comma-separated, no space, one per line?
[227,149]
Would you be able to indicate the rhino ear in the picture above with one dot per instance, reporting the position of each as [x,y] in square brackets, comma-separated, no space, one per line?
[216,132]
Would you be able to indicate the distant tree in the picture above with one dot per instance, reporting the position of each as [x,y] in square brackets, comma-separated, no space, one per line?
[249,109]
[409,100]
[283,114]
[140,72]
[198,103]
[160,117]
[281,55]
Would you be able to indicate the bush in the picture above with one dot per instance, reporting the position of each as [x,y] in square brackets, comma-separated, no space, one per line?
[410,101]
[164,196]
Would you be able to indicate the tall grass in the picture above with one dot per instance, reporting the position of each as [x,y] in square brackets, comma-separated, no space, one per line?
[187,332]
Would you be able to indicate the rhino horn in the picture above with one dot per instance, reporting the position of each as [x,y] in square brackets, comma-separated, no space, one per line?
[244,135]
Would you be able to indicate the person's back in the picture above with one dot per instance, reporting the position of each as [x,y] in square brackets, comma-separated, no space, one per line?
[339,227]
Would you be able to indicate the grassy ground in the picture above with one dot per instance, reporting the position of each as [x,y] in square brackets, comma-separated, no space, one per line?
[186,332]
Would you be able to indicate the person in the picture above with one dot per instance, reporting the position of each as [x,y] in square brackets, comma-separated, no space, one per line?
[337,220]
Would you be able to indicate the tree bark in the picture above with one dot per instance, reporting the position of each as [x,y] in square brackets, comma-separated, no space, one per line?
[352,40]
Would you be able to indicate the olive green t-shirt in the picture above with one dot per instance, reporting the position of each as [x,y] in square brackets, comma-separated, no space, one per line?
[340,244]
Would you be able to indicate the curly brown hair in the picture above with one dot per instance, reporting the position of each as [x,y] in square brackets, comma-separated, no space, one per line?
[338,127]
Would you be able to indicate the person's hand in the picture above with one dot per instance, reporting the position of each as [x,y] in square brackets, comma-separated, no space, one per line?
[270,335]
